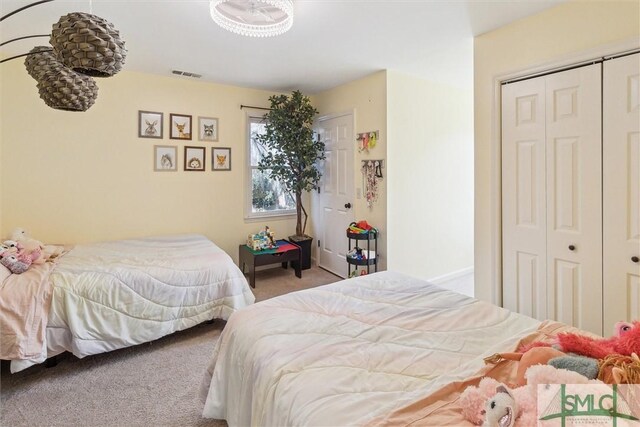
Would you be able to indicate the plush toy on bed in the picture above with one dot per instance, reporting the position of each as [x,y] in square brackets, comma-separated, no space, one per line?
[31,248]
[476,401]
[627,343]
[13,263]
[501,409]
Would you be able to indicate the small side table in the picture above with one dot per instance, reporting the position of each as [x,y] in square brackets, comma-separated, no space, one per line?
[286,252]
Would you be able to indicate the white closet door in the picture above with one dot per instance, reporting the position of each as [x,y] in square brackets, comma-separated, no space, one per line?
[524,204]
[574,197]
[621,190]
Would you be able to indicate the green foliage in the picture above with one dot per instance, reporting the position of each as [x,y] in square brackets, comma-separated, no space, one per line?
[292,153]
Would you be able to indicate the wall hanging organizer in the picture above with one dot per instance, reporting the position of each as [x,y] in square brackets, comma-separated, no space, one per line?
[367,140]
[83,46]
[371,174]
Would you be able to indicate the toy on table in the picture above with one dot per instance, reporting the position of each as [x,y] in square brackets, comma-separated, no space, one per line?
[265,239]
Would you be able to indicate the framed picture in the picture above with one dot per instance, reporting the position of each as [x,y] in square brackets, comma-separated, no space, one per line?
[194,158]
[165,158]
[208,129]
[149,124]
[221,159]
[180,126]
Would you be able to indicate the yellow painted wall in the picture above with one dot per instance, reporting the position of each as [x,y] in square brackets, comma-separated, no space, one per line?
[79,177]
[368,98]
[563,32]
[430,152]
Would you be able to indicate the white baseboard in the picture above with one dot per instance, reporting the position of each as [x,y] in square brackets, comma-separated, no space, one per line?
[439,280]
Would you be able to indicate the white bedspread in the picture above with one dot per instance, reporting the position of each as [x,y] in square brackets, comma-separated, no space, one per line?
[117,294]
[343,353]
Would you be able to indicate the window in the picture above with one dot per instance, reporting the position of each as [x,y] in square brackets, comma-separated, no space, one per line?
[265,197]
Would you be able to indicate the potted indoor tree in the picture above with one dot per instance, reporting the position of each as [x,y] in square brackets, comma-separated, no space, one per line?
[291,156]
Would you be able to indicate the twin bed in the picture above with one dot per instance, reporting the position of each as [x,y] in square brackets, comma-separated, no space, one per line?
[382,349]
[105,296]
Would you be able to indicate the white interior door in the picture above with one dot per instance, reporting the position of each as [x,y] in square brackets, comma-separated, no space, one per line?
[336,196]
[524,222]
[574,197]
[621,127]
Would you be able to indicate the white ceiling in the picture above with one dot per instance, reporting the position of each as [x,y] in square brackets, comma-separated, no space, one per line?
[331,42]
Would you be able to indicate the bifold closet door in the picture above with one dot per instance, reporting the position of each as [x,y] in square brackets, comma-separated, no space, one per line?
[574,196]
[552,197]
[621,130]
[524,222]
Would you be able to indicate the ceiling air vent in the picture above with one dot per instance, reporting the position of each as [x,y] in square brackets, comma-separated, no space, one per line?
[186,74]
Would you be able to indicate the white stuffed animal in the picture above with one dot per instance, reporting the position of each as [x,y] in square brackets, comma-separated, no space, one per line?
[31,248]
[501,410]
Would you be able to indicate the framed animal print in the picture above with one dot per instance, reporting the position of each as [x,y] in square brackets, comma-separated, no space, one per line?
[149,124]
[221,159]
[194,158]
[208,129]
[165,158]
[180,126]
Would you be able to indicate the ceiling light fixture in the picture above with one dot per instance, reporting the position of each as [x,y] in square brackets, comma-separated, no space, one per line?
[60,87]
[253,18]
[84,46]
[88,44]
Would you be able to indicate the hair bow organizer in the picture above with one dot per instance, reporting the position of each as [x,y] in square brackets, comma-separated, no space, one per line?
[367,140]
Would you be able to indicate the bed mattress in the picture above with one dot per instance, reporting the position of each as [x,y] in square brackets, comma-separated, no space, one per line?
[344,353]
[117,294]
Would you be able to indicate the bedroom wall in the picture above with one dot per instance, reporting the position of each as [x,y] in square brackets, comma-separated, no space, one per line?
[79,177]
[368,98]
[555,35]
[430,176]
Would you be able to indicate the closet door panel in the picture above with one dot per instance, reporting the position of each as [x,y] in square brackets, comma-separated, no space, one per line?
[621,130]
[574,197]
[523,207]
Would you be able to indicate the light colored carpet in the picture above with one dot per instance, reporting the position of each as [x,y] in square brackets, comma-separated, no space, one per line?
[154,384]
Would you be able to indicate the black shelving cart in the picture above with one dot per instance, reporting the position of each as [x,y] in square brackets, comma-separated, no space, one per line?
[371,235]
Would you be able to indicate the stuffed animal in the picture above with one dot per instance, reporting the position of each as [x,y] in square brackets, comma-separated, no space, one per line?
[617,369]
[501,409]
[473,399]
[585,366]
[625,344]
[13,264]
[32,247]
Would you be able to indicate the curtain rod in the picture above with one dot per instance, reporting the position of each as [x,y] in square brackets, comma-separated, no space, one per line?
[255,108]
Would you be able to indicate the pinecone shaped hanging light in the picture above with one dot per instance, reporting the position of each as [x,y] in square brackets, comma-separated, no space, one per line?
[60,87]
[39,61]
[88,44]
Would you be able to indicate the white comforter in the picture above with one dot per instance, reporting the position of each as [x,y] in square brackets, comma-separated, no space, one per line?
[122,293]
[343,353]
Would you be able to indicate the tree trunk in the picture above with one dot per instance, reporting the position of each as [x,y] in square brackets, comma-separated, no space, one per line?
[299,230]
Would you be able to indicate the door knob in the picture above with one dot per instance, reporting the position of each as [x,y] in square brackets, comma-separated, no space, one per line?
[572,248]
[635,259]
[347,205]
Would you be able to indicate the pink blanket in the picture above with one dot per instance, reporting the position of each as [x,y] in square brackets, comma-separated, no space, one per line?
[25,300]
